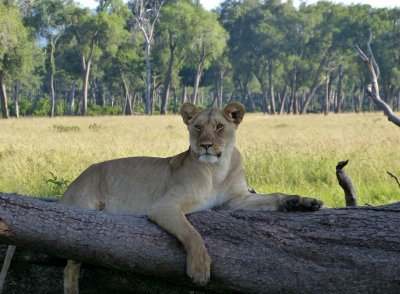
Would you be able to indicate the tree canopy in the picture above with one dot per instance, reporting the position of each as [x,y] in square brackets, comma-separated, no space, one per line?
[58,58]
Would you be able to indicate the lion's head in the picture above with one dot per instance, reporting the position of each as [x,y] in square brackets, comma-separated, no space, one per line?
[212,131]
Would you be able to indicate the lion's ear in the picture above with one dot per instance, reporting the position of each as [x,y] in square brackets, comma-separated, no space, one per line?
[236,111]
[188,110]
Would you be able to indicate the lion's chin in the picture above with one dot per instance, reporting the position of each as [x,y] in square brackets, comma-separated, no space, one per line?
[207,158]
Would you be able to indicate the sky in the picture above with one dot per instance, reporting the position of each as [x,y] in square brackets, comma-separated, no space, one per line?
[209,4]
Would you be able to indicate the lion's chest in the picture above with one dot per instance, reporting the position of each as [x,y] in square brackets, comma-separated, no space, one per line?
[212,201]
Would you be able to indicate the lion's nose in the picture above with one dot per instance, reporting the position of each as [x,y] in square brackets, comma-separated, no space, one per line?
[206,146]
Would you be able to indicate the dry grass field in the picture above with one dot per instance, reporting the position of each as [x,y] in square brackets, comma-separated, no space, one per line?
[293,154]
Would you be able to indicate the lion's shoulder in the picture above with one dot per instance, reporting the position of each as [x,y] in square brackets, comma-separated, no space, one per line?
[177,162]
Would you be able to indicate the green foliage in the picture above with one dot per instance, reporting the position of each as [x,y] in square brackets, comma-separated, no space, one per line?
[57,185]
[245,50]
[41,107]
[94,109]
[14,43]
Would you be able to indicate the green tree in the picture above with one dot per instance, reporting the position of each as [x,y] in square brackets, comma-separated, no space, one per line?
[51,18]
[92,34]
[208,43]
[14,49]
[145,14]
[175,34]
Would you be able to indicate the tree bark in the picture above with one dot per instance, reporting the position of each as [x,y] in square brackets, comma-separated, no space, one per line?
[52,71]
[128,102]
[293,103]
[3,95]
[271,86]
[326,99]
[339,100]
[148,76]
[283,100]
[72,99]
[17,90]
[86,64]
[315,83]
[197,79]
[85,84]
[168,76]
[353,250]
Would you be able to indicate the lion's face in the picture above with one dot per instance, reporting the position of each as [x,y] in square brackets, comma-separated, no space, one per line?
[212,131]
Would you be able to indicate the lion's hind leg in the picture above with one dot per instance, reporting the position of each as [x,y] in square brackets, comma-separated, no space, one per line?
[71,277]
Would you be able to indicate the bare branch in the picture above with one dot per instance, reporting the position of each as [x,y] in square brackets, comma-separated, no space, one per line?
[394,177]
[375,65]
[346,184]
[373,89]
[6,265]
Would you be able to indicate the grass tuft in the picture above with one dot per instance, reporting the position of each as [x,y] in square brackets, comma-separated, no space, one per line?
[64,128]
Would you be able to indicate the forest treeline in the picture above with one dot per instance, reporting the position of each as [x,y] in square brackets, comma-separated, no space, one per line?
[149,56]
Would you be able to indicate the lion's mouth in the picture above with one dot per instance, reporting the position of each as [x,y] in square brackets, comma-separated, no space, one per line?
[210,158]
[209,154]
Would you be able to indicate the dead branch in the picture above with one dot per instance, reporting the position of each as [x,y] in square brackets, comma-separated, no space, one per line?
[346,184]
[394,177]
[373,89]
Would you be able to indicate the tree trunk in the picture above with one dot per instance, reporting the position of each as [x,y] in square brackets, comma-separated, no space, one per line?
[220,87]
[148,82]
[184,95]
[197,79]
[265,106]
[154,93]
[175,100]
[72,98]
[16,98]
[52,70]
[293,104]
[85,84]
[331,92]
[168,77]
[354,250]
[128,103]
[339,99]
[398,101]
[283,101]
[3,95]
[315,83]
[271,87]
[326,101]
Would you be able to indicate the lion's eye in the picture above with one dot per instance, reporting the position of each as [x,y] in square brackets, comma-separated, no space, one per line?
[220,127]
[197,127]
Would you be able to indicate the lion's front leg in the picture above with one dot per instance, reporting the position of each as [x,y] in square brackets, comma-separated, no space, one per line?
[273,202]
[172,219]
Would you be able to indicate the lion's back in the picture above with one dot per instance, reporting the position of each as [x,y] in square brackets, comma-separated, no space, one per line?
[125,185]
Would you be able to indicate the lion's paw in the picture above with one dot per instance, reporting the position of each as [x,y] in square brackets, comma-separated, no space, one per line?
[298,203]
[198,267]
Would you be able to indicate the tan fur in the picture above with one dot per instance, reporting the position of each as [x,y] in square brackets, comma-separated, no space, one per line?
[208,175]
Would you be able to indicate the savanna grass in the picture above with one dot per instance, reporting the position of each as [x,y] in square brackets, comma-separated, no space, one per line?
[292,154]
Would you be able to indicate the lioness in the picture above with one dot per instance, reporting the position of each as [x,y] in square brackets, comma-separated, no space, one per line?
[208,175]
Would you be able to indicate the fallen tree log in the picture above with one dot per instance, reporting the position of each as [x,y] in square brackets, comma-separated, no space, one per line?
[349,250]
